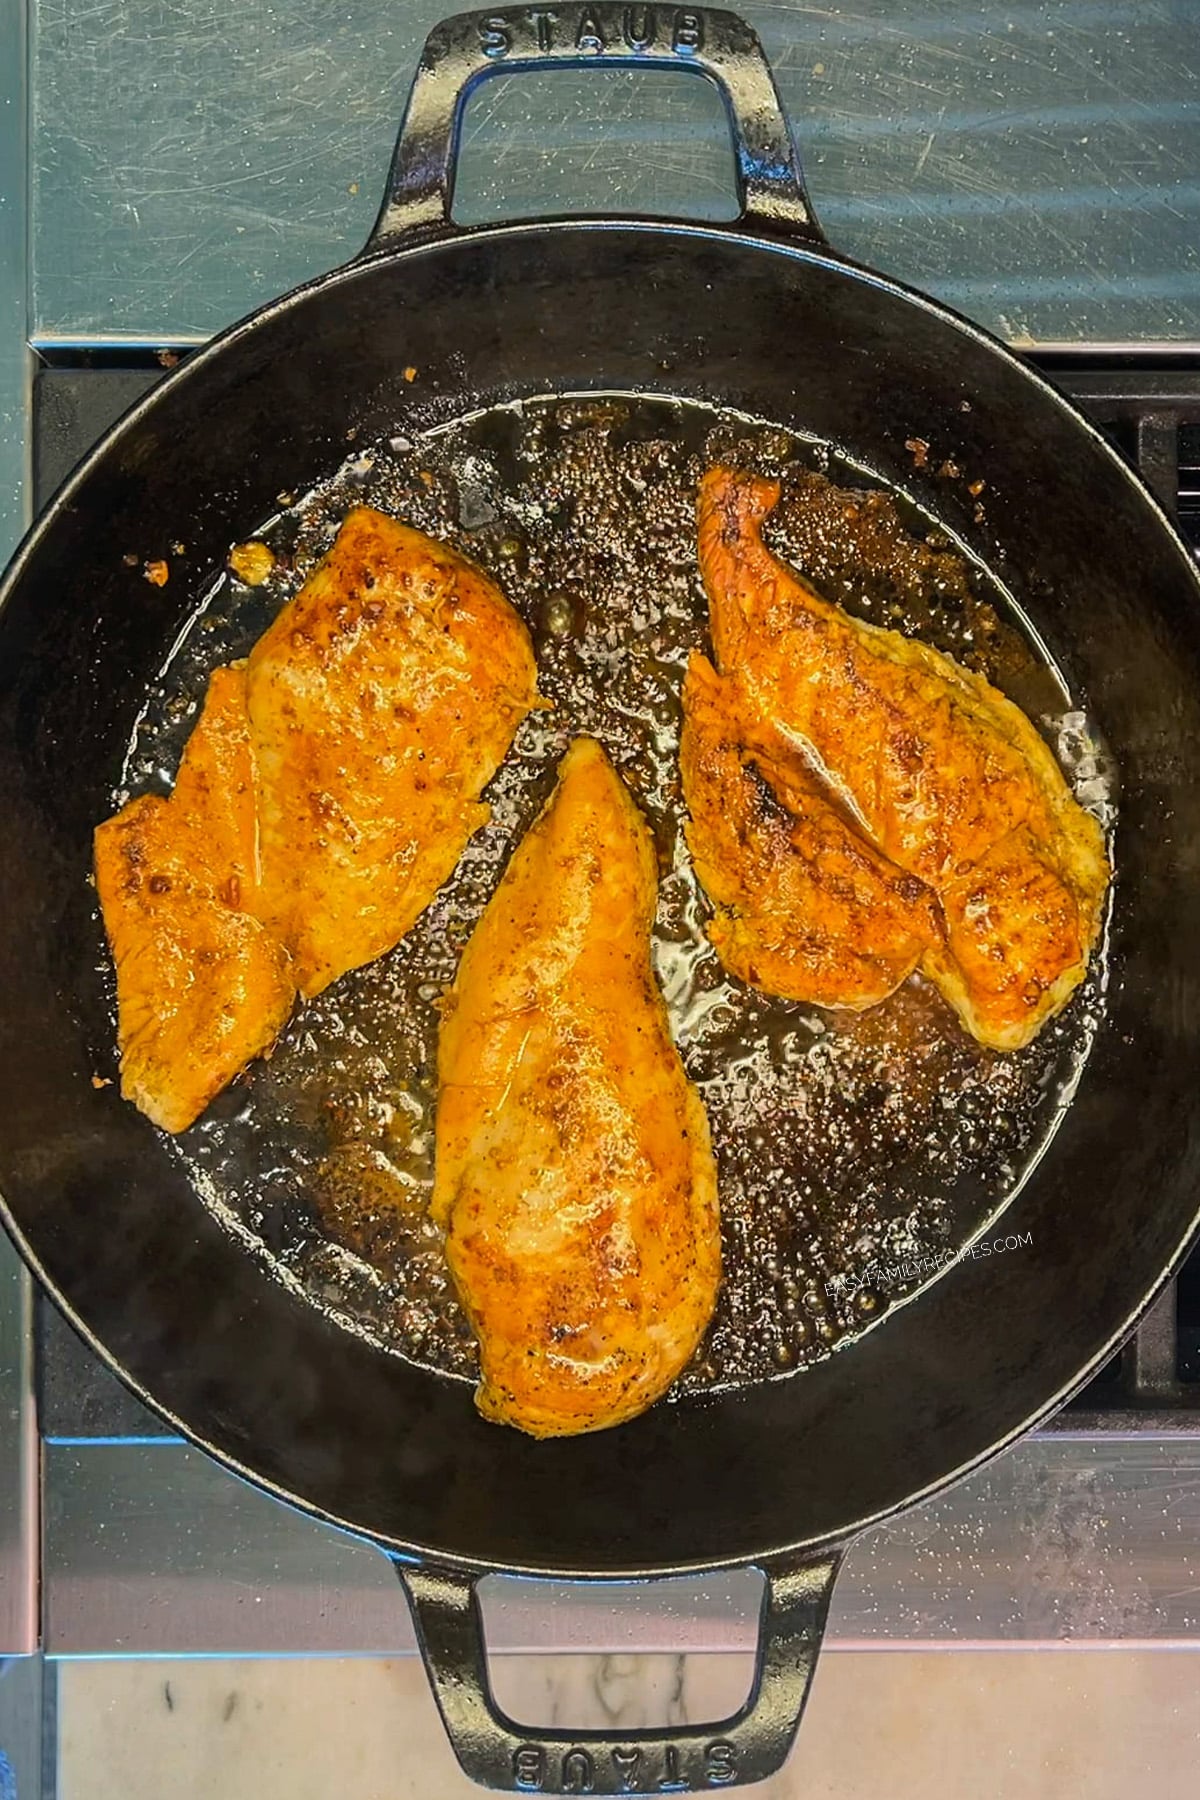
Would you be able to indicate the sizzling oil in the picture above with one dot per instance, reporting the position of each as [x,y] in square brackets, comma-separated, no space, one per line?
[845,1143]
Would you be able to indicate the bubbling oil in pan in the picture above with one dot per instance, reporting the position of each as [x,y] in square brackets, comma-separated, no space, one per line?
[845,1143]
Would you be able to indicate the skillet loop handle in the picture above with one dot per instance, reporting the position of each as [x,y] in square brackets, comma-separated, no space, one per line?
[500,1754]
[464,50]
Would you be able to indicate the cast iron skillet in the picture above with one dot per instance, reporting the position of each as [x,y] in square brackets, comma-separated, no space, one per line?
[764,317]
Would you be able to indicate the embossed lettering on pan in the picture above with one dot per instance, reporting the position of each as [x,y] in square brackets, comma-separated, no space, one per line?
[597,29]
[631,1768]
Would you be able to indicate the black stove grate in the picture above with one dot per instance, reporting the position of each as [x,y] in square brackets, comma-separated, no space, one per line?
[1151,410]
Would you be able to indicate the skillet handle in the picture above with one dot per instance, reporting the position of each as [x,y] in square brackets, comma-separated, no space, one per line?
[500,1754]
[464,50]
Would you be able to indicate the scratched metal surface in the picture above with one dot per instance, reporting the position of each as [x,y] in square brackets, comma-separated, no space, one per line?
[1037,163]
[18,1439]
[152,1550]
[14,371]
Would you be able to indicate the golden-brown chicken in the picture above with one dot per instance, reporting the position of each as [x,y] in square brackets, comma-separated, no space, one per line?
[574,1175]
[202,987]
[325,795]
[945,776]
[806,908]
[382,700]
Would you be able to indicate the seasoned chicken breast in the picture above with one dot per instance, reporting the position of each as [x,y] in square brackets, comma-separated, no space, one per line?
[574,1176]
[382,700]
[806,907]
[325,795]
[202,986]
[942,774]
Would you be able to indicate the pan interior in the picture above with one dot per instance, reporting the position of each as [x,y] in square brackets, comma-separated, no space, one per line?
[857,1153]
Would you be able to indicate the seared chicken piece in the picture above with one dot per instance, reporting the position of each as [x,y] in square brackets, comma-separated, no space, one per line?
[574,1175]
[325,795]
[946,777]
[806,908]
[202,987]
[382,700]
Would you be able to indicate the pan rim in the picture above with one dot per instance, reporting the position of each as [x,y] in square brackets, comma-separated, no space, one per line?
[791,1552]
[196,361]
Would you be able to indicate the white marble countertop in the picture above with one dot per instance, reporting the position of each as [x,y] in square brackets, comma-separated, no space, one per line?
[976,1725]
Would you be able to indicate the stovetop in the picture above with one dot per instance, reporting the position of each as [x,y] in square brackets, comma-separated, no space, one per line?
[164,169]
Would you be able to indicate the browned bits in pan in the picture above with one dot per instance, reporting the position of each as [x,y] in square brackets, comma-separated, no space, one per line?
[252,562]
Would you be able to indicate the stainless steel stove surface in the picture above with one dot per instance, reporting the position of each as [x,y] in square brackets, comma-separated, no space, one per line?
[1036,166]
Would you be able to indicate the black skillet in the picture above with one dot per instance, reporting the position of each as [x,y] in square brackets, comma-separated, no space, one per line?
[762,316]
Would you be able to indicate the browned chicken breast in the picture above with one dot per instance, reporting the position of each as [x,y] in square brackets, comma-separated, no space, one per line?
[942,774]
[382,700]
[574,1175]
[806,907]
[202,987]
[325,795]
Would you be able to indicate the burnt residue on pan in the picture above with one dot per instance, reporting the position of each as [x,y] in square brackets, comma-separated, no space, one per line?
[847,1144]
